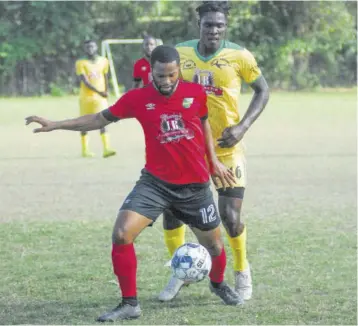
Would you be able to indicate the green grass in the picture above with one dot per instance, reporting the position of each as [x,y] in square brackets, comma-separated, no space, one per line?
[57,212]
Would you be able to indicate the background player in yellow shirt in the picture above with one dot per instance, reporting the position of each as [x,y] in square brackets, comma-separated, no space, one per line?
[221,66]
[93,75]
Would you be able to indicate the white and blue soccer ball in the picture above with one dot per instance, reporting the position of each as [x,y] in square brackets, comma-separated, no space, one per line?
[191,262]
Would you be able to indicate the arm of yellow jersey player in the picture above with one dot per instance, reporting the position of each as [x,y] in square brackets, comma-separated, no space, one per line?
[84,123]
[217,169]
[232,135]
[106,84]
[84,79]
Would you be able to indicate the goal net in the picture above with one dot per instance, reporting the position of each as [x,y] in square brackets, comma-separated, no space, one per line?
[121,54]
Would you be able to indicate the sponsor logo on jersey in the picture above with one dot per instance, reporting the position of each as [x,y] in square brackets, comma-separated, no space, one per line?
[188,64]
[173,129]
[220,62]
[150,106]
[206,78]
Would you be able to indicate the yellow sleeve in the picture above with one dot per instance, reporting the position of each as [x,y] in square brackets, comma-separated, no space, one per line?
[80,69]
[248,68]
[106,66]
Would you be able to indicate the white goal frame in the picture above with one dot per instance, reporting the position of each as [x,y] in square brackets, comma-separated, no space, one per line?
[106,52]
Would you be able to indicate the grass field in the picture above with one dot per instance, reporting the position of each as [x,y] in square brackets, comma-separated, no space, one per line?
[57,211]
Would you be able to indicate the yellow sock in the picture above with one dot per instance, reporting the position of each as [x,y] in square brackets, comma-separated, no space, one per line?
[238,247]
[174,239]
[84,143]
[105,141]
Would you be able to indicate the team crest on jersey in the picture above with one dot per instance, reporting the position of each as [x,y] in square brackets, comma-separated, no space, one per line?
[144,68]
[187,102]
[188,64]
[206,78]
[173,129]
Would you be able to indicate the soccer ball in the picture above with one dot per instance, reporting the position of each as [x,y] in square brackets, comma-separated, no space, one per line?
[191,262]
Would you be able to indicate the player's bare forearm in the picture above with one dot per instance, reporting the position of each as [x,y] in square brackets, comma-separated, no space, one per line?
[217,169]
[84,123]
[107,83]
[233,135]
[89,85]
[209,141]
[257,104]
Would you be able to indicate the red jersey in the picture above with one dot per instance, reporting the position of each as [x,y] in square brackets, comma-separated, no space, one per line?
[174,139]
[142,70]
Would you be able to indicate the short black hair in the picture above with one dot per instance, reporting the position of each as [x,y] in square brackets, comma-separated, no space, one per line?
[213,6]
[164,54]
[149,37]
[89,41]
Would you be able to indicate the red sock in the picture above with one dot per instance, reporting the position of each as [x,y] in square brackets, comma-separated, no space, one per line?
[218,267]
[124,263]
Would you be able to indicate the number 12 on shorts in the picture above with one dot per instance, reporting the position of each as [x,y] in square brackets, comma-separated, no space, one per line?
[208,214]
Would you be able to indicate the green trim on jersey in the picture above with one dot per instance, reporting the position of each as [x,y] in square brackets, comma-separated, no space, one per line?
[255,80]
[234,46]
[194,44]
[206,59]
[224,45]
[98,57]
[189,44]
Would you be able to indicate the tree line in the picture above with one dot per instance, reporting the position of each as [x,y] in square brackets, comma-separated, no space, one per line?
[298,44]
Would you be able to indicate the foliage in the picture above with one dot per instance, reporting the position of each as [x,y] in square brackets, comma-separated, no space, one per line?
[298,44]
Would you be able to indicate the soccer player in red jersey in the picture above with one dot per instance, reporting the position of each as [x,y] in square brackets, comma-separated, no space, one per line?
[142,74]
[173,115]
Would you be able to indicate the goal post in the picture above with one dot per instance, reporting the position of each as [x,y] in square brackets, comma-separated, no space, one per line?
[106,52]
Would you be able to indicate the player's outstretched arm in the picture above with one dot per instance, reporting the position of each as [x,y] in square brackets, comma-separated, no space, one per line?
[218,170]
[232,135]
[84,123]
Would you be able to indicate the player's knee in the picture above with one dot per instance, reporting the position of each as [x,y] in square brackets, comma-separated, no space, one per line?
[230,214]
[121,236]
[102,130]
[83,133]
[233,227]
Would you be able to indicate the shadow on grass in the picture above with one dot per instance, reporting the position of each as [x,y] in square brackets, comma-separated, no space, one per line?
[85,312]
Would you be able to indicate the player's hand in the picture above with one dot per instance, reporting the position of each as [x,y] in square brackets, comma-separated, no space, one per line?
[225,175]
[46,125]
[231,136]
[103,94]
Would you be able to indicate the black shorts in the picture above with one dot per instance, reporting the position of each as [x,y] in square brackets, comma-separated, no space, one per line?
[193,204]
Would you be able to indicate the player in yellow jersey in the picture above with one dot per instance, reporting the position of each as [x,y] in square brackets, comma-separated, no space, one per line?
[221,66]
[93,75]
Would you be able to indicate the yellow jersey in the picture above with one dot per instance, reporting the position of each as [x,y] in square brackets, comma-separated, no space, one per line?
[95,72]
[221,74]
